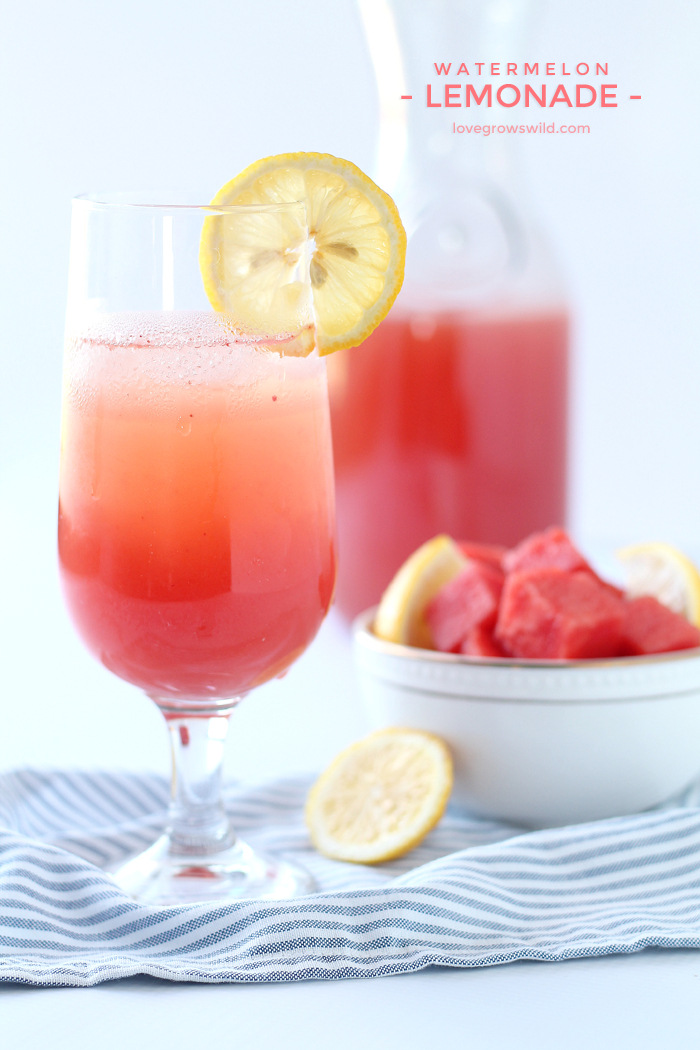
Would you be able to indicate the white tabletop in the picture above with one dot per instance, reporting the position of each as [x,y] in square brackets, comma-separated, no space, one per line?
[649,999]
[66,710]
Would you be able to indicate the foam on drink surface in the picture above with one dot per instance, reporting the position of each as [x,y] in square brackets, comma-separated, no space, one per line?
[151,358]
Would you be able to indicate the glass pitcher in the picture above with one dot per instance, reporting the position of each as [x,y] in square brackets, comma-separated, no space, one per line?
[452,416]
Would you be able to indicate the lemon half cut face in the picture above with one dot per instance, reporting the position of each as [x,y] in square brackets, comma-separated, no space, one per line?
[335,260]
[666,574]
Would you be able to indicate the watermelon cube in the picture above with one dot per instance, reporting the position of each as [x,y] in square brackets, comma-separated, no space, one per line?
[554,615]
[650,627]
[551,549]
[481,642]
[468,601]
[490,553]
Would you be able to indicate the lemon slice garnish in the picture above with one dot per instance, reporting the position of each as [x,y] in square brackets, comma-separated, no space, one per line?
[354,251]
[401,613]
[380,796]
[665,573]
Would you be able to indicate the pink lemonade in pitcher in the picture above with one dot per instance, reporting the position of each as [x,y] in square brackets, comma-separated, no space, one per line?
[452,416]
[446,423]
[196,533]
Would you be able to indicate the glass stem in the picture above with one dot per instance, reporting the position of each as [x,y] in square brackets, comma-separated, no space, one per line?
[198,822]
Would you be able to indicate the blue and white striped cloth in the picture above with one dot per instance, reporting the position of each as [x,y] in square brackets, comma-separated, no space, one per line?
[475,893]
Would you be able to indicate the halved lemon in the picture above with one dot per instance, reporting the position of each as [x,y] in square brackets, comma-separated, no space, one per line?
[253,263]
[380,796]
[665,573]
[401,613]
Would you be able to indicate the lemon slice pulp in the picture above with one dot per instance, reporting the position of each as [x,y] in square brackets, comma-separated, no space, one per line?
[380,796]
[252,262]
[665,573]
[401,613]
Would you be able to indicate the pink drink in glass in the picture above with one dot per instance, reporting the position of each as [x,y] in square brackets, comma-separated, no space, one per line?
[196,532]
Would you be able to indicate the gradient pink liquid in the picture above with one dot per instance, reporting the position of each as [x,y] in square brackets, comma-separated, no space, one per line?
[196,531]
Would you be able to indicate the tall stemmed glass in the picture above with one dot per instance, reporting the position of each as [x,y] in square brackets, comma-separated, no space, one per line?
[196,521]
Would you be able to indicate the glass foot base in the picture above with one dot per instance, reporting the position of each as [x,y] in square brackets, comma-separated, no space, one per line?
[159,876]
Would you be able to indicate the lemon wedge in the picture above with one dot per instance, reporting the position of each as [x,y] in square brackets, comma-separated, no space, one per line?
[380,796]
[665,573]
[401,613]
[347,235]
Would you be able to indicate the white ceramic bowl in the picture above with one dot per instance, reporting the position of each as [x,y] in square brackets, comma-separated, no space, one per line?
[544,743]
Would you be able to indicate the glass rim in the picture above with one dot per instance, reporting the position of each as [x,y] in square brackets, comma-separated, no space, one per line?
[161,201]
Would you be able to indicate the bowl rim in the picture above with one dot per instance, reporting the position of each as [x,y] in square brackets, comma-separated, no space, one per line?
[362,632]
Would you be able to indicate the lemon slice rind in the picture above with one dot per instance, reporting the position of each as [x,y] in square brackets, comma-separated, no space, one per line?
[400,616]
[380,797]
[665,573]
[251,263]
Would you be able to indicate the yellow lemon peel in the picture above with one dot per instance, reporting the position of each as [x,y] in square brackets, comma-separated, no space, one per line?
[401,613]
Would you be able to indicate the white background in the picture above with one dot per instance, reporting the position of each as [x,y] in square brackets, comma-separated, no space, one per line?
[154,94]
